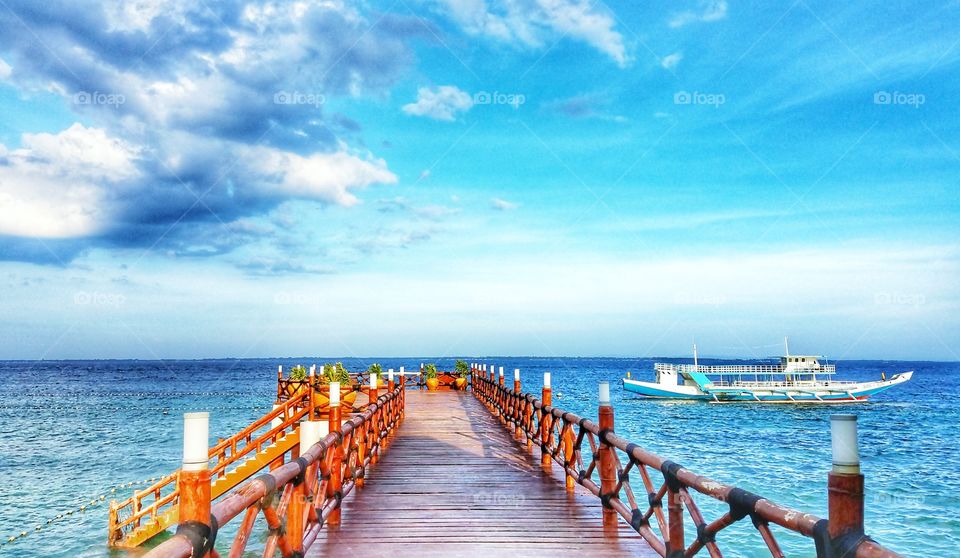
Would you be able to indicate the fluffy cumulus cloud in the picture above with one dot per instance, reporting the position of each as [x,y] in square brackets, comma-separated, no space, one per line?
[440,103]
[538,23]
[200,117]
[709,10]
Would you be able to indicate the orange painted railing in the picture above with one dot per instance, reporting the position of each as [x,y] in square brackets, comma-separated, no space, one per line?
[560,436]
[148,504]
[298,498]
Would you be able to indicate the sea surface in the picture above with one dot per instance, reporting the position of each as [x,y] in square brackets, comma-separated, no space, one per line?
[73,431]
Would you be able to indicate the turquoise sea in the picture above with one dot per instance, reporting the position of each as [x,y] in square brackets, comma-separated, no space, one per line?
[72,431]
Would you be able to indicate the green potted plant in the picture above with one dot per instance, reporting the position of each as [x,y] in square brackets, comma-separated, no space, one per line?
[376,370]
[463,370]
[334,373]
[430,373]
[298,373]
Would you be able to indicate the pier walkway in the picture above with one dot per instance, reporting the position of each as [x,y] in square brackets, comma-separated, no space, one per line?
[452,482]
[484,469]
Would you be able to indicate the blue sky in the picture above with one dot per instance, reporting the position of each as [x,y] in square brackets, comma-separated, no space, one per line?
[449,177]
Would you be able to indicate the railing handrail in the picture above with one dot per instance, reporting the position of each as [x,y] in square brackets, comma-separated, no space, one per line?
[539,423]
[253,494]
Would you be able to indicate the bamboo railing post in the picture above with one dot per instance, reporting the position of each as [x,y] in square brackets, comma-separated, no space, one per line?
[546,397]
[845,481]
[335,486]
[608,461]
[193,483]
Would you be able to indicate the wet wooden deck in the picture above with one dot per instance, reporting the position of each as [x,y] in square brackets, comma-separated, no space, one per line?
[452,482]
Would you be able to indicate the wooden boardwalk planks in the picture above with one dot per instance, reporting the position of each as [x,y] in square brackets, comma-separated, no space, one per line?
[453,483]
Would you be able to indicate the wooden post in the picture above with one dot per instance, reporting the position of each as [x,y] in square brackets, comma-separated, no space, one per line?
[374,427]
[335,486]
[568,454]
[845,481]
[608,461]
[501,376]
[546,397]
[193,482]
[313,373]
[518,411]
[391,384]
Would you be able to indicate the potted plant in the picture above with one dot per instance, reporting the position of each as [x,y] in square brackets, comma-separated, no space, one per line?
[334,373]
[463,370]
[298,373]
[376,370]
[430,372]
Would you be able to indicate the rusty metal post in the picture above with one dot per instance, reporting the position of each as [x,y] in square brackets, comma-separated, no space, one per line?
[193,482]
[845,481]
[546,397]
[608,461]
[335,486]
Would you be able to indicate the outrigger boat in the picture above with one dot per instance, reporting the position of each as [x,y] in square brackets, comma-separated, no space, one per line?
[796,379]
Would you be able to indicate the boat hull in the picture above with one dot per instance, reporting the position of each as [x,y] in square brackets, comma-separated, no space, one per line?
[853,393]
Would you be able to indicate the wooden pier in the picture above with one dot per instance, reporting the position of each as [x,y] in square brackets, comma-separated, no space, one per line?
[486,470]
[454,483]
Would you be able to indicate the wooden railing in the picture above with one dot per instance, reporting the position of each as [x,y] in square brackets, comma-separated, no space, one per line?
[297,499]
[148,504]
[560,436]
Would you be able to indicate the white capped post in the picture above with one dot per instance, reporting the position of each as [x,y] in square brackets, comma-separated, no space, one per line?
[334,394]
[401,371]
[846,452]
[311,432]
[546,380]
[390,375]
[373,381]
[604,393]
[516,374]
[501,371]
[313,370]
[196,441]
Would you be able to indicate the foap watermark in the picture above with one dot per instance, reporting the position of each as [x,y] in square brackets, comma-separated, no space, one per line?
[84,298]
[899,98]
[499,499]
[896,499]
[497,98]
[692,299]
[699,98]
[99,98]
[899,299]
[298,98]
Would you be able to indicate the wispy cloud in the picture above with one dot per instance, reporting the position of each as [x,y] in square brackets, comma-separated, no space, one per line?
[670,61]
[503,205]
[538,24]
[440,103]
[709,10]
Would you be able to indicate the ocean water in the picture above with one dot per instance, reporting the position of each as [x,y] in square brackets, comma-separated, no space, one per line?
[72,431]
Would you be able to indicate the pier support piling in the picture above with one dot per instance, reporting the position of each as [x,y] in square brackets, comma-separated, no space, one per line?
[845,486]
[193,483]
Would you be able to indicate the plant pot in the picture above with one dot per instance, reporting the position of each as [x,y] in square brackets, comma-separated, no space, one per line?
[433,384]
[347,397]
[460,383]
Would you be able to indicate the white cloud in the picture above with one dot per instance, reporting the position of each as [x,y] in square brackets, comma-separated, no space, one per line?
[5,69]
[533,23]
[57,185]
[503,205]
[710,10]
[670,61]
[326,177]
[440,103]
